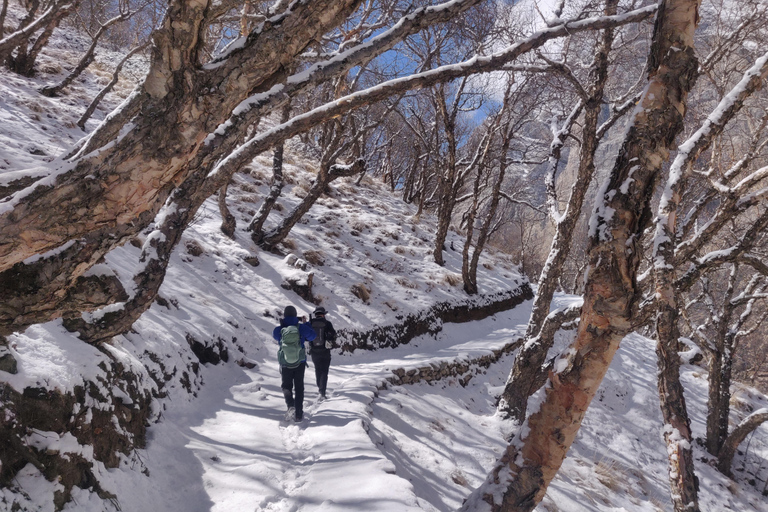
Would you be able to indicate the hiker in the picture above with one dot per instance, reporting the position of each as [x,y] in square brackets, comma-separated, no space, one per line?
[291,335]
[320,349]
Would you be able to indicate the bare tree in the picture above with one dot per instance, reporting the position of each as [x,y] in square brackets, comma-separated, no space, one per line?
[520,478]
[142,174]
[90,54]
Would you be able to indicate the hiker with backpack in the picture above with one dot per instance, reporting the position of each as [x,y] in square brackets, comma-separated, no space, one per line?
[290,336]
[320,348]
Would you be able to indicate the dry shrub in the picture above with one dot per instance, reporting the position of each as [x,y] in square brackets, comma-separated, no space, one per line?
[359,226]
[361,291]
[278,207]
[399,249]
[50,69]
[33,106]
[258,173]
[247,187]
[289,244]
[452,279]
[316,258]
[458,478]
[488,265]
[405,283]
[346,189]
[249,198]
[611,475]
[300,190]
[194,248]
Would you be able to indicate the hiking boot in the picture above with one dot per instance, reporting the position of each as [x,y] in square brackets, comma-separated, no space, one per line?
[299,416]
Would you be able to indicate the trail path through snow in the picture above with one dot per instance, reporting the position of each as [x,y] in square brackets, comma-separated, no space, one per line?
[422,446]
[254,459]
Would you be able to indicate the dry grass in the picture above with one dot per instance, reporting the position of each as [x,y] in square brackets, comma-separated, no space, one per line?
[194,248]
[316,258]
[452,279]
[361,291]
[405,283]
[399,249]
[610,474]
[300,190]
[288,244]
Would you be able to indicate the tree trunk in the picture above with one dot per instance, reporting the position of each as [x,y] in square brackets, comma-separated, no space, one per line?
[85,61]
[24,62]
[3,12]
[666,255]
[278,234]
[738,435]
[276,188]
[520,479]
[719,399]
[228,221]
[469,265]
[446,196]
[107,88]
[522,382]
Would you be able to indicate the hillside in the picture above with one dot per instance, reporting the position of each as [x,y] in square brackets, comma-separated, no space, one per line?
[199,368]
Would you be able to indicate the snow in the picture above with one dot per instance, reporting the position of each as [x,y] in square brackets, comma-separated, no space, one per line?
[219,439]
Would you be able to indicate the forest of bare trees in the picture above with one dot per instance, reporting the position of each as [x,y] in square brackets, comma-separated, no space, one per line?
[630,135]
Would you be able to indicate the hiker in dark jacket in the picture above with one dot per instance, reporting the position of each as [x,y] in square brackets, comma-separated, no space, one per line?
[320,348]
[293,358]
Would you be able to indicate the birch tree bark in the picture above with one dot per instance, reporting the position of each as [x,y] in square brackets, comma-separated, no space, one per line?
[519,480]
[522,380]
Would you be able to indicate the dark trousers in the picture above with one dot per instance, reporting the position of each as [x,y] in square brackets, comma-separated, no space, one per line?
[293,377]
[322,363]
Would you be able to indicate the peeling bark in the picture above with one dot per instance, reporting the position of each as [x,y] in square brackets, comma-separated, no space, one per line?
[522,383]
[520,479]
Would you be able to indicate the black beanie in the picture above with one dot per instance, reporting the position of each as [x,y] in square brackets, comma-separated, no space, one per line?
[289,311]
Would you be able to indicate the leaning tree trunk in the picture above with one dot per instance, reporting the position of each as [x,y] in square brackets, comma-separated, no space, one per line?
[101,199]
[278,234]
[85,60]
[276,187]
[523,381]
[738,435]
[24,62]
[107,88]
[228,221]
[520,479]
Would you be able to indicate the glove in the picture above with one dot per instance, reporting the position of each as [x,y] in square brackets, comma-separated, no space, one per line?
[328,345]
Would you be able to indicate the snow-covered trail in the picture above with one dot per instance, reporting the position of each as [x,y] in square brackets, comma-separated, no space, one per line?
[253,458]
[422,446]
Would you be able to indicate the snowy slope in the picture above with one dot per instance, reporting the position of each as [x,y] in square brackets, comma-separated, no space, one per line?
[219,439]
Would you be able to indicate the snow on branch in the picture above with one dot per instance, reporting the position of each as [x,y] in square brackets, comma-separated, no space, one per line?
[477,64]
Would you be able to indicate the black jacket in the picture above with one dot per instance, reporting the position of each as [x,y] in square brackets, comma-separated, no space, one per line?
[325,333]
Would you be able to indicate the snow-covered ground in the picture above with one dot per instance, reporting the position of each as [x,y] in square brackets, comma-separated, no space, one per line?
[219,438]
